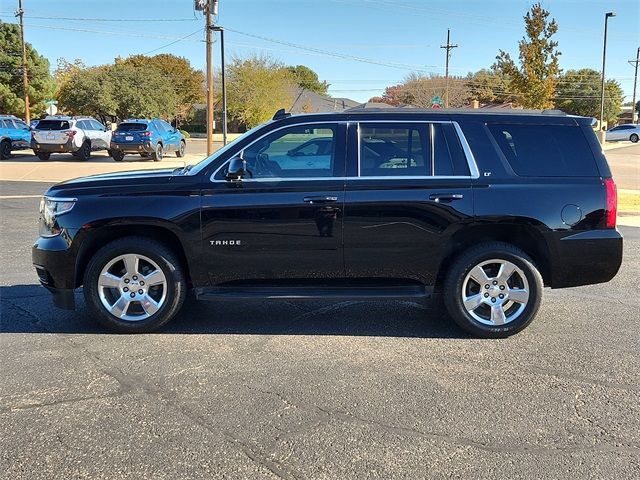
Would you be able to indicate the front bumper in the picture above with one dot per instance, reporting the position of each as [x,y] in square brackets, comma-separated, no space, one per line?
[585,258]
[55,265]
[132,147]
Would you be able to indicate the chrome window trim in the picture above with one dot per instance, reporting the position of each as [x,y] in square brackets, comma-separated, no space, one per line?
[471,161]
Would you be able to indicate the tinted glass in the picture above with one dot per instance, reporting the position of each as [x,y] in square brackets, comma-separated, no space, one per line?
[545,150]
[160,127]
[3,124]
[443,164]
[132,127]
[96,125]
[52,125]
[20,124]
[456,152]
[293,152]
[393,150]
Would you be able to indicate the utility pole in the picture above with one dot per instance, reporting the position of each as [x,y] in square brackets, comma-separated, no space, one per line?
[25,78]
[448,48]
[210,9]
[634,114]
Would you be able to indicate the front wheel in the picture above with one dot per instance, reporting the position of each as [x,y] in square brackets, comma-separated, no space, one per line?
[493,290]
[134,285]
[634,138]
[5,149]
[181,149]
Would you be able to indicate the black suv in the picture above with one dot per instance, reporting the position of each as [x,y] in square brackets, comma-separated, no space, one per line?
[483,207]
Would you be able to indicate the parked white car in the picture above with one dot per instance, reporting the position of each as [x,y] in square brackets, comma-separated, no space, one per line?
[620,133]
[76,135]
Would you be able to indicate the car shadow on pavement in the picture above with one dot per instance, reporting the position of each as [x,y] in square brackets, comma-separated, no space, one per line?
[29,309]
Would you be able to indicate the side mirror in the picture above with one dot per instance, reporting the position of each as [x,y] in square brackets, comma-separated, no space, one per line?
[237,168]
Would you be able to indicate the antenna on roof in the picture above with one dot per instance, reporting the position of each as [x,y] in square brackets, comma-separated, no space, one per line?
[280,114]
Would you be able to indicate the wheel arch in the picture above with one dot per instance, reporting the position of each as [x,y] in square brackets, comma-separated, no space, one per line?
[527,237]
[106,234]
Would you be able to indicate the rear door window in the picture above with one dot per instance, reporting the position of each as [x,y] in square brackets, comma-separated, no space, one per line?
[52,125]
[545,150]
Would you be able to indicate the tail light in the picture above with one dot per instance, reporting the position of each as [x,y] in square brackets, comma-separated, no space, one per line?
[71,134]
[612,203]
[146,133]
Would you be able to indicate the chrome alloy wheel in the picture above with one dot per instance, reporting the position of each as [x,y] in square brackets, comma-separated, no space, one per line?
[132,287]
[495,292]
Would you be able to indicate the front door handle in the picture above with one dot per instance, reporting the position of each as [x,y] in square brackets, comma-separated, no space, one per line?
[445,197]
[320,199]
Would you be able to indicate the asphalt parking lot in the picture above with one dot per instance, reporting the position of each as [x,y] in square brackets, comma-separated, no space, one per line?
[334,390]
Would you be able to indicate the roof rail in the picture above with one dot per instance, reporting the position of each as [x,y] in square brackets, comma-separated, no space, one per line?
[280,114]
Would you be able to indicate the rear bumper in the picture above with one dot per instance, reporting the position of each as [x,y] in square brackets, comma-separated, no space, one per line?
[54,147]
[55,266]
[586,258]
[132,147]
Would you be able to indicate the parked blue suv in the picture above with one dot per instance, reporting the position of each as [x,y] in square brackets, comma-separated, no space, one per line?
[14,135]
[149,138]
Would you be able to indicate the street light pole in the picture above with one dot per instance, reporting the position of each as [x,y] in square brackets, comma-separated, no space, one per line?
[604,60]
[224,87]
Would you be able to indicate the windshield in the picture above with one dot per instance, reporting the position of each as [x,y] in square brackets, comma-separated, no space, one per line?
[198,167]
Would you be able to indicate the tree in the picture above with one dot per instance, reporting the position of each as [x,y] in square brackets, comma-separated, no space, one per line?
[187,82]
[419,90]
[308,79]
[257,87]
[119,90]
[41,85]
[536,78]
[489,86]
[579,94]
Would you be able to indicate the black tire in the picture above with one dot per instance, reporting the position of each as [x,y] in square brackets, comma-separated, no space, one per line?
[168,262]
[5,149]
[634,138]
[116,155]
[44,156]
[453,289]
[158,153]
[181,149]
[85,151]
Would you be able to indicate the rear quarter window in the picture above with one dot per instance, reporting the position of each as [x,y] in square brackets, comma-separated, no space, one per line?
[545,150]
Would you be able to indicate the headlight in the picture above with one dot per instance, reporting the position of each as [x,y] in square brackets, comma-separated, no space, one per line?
[50,209]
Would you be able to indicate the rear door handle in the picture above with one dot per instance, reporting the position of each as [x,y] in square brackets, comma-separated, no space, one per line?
[320,199]
[445,197]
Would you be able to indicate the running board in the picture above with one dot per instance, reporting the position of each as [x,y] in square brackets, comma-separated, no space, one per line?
[379,292]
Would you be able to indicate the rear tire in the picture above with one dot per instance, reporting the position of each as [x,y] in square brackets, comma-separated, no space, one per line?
[116,155]
[144,155]
[158,153]
[44,156]
[5,149]
[182,149]
[634,138]
[509,304]
[85,151]
[145,312]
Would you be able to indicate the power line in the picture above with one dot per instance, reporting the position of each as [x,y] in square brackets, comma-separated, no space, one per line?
[174,42]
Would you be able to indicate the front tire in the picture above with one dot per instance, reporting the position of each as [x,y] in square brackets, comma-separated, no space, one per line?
[493,290]
[634,138]
[134,285]
[5,150]
[183,147]
[44,156]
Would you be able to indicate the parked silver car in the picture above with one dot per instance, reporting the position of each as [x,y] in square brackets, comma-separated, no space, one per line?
[76,135]
[620,133]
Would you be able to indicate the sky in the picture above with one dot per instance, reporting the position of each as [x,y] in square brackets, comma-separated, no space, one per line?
[358,46]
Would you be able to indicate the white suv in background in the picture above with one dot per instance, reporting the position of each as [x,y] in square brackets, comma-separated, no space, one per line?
[624,132]
[76,135]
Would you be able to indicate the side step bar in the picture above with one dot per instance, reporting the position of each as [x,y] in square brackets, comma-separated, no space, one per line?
[380,292]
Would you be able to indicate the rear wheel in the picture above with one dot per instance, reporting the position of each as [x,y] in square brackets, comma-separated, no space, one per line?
[158,153]
[85,151]
[493,290]
[134,285]
[5,149]
[634,138]
[43,155]
[116,155]
[181,149]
